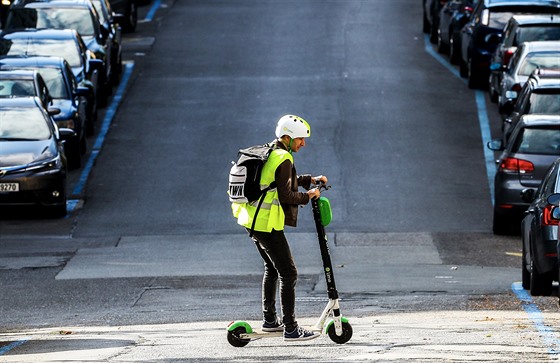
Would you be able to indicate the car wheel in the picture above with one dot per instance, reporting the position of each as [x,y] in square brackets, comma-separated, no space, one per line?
[500,224]
[425,22]
[441,47]
[454,51]
[472,75]
[131,16]
[541,284]
[492,90]
[73,155]
[434,33]
[463,69]
[525,275]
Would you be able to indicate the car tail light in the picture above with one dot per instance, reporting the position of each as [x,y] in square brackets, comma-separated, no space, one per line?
[546,217]
[513,165]
[507,55]
[468,9]
[516,87]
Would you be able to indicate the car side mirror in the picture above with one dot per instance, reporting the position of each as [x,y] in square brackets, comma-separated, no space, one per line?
[554,199]
[53,111]
[497,67]
[82,92]
[66,134]
[495,145]
[528,195]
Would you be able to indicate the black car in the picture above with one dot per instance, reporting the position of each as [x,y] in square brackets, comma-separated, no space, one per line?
[452,17]
[67,97]
[65,43]
[32,161]
[534,145]
[539,232]
[490,17]
[519,29]
[80,15]
[129,10]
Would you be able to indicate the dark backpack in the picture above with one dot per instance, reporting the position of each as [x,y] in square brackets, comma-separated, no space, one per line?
[245,177]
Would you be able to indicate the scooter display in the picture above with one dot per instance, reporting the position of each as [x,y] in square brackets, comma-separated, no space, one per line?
[339,330]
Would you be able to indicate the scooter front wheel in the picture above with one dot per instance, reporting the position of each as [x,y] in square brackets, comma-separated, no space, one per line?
[234,339]
[344,337]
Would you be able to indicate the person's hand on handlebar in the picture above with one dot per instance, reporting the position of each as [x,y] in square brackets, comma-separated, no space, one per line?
[313,193]
[319,179]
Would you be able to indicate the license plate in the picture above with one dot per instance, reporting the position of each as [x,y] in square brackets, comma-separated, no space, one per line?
[9,187]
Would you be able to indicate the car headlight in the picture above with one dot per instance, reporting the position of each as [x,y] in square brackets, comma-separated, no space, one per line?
[49,165]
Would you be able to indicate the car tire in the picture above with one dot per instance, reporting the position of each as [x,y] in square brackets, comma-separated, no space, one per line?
[525,274]
[500,225]
[73,154]
[541,284]
[463,69]
[441,47]
[454,51]
[131,16]
[472,75]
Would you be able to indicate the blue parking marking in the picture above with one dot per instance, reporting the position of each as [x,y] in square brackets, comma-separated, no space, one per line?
[546,332]
[109,115]
[153,9]
[5,349]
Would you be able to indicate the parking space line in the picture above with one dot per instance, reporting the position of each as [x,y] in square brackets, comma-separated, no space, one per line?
[535,315]
[547,333]
[153,9]
[5,349]
[109,115]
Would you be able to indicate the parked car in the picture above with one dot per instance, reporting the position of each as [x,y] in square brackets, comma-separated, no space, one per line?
[25,83]
[431,9]
[110,22]
[539,233]
[534,145]
[65,43]
[519,29]
[129,10]
[490,17]
[66,95]
[79,15]
[452,17]
[540,94]
[32,161]
[528,57]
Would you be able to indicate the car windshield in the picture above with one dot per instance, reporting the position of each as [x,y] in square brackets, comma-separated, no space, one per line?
[52,18]
[549,59]
[16,88]
[65,48]
[547,103]
[535,33]
[538,140]
[23,124]
[55,82]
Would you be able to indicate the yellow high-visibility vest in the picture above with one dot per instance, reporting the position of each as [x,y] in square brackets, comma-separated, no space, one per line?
[271,215]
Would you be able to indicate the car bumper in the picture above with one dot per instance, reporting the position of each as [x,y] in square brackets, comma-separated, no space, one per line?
[47,189]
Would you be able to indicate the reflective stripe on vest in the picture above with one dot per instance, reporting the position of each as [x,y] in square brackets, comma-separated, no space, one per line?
[271,215]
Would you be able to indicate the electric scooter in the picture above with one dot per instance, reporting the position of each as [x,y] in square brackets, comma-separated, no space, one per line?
[240,333]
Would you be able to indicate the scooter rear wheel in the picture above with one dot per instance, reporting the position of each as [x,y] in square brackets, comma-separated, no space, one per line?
[346,333]
[234,339]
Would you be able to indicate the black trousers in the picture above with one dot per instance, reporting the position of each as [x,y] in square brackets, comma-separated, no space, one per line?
[279,267]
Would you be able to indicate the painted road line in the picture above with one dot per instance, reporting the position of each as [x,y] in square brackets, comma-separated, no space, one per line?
[153,9]
[547,334]
[109,116]
[5,349]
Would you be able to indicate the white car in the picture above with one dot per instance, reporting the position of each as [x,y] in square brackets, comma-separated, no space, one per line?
[528,57]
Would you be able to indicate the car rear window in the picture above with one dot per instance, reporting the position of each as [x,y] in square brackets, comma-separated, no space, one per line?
[65,48]
[16,88]
[24,123]
[55,81]
[538,140]
[547,103]
[53,18]
[536,33]
[536,60]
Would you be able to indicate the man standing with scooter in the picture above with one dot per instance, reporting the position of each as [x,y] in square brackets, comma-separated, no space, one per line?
[280,208]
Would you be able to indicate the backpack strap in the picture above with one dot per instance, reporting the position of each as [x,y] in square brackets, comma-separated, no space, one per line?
[261,199]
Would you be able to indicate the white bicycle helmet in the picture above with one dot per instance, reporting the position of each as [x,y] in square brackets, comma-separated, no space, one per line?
[293,126]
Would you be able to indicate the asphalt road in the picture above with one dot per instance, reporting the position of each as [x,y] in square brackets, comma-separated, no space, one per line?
[150,249]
